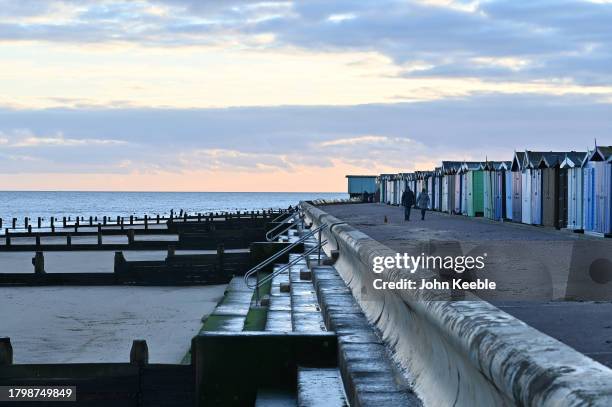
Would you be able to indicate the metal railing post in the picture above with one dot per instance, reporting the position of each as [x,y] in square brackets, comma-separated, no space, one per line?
[257,288]
[319,258]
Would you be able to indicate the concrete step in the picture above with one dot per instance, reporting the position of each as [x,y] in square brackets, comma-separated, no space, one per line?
[305,311]
[279,311]
[320,387]
[275,398]
[368,372]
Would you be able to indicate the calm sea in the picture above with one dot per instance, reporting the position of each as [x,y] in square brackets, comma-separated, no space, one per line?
[46,204]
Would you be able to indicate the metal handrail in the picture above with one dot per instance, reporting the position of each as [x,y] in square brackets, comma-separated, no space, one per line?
[284,267]
[289,224]
[282,252]
[284,213]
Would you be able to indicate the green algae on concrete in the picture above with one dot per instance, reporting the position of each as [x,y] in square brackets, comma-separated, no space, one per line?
[258,315]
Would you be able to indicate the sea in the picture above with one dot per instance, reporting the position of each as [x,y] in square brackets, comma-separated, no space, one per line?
[45,204]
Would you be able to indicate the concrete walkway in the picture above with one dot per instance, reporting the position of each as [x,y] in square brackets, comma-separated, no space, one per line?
[537,269]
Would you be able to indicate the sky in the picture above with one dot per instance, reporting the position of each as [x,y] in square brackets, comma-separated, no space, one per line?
[234,95]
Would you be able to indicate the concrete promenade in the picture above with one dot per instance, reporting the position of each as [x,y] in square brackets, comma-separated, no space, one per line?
[534,267]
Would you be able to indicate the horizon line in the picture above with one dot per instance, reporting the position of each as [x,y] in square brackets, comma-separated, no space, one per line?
[180,192]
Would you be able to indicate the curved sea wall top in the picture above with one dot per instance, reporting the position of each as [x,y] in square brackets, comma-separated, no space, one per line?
[464,353]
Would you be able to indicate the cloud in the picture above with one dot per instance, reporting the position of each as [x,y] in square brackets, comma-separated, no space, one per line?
[271,140]
[18,138]
[354,140]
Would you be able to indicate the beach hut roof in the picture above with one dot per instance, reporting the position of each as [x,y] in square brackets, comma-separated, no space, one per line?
[601,153]
[550,160]
[424,174]
[533,158]
[472,166]
[450,167]
[518,161]
[497,165]
[574,159]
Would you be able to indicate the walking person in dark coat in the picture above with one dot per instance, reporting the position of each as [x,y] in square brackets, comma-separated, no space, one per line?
[423,202]
[407,202]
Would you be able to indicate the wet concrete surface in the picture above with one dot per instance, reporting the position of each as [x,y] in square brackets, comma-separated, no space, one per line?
[537,269]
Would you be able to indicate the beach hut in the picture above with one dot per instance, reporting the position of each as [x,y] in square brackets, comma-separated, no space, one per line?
[438,188]
[494,189]
[397,182]
[573,164]
[458,189]
[431,190]
[508,194]
[533,161]
[517,190]
[597,205]
[387,189]
[378,194]
[551,185]
[463,173]
[531,184]
[449,170]
[390,189]
[474,188]
[445,193]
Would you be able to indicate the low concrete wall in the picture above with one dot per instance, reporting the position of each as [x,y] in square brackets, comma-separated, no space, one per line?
[462,353]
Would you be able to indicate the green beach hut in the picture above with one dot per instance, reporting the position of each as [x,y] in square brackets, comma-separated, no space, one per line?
[474,176]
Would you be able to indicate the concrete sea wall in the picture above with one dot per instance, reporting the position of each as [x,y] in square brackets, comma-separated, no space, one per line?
[463,353]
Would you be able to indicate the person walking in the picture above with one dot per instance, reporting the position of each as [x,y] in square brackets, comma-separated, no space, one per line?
[423,202]
[407,202]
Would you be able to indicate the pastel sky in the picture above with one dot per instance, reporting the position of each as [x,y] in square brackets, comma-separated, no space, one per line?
[234,95]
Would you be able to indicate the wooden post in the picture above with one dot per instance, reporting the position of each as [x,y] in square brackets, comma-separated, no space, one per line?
[99,237]
[139,354]
[199,218]
[26,222]
[14,223]
[6,351]
[220,257]
[118,220]
[146,222]
[104,220]
[91,221]
[37,240]
[0,223]
[185,217]
[158,218]
[171,250]
[52,223]
[7,236]
[64,221]
[39,223]
[171,213]
[38,261]
[30,229]
[130,235]
[68,240]
[119,261]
